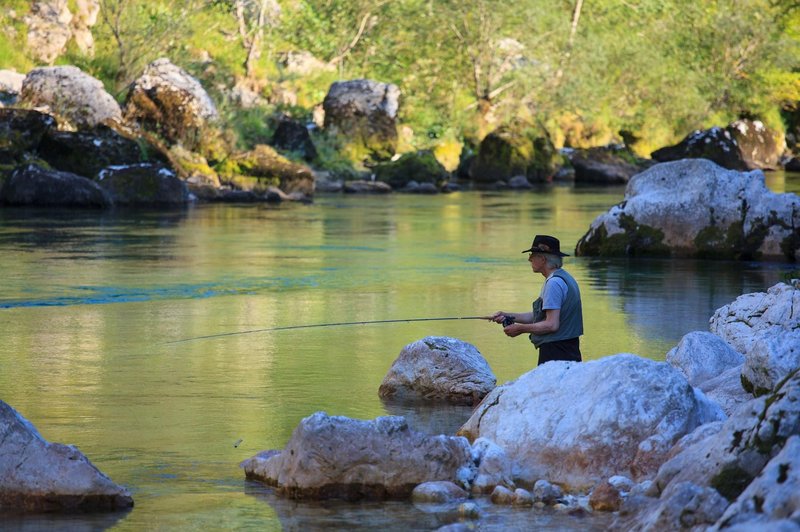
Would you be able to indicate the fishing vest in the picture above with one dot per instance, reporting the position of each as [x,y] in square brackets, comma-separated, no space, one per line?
[571,316]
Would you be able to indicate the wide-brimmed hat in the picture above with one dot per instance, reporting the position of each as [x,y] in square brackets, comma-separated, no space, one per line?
[546,244]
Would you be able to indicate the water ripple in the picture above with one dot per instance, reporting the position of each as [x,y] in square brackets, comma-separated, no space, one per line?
[102,295]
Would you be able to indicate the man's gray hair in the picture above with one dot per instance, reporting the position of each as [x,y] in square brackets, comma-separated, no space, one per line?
[554,261]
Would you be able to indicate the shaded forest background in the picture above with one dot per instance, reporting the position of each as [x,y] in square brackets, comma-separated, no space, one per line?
[646,72]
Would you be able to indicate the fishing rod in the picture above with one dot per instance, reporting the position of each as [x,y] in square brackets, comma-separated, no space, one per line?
[506,321]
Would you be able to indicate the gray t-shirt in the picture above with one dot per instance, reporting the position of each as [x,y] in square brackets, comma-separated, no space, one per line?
[554,292]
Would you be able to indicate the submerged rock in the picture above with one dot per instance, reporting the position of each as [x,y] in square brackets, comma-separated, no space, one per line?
[339,457]
[695,208]
[439,368]
[37,475]
[628,414]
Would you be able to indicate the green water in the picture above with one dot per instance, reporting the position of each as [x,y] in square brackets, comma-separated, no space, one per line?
[91,307]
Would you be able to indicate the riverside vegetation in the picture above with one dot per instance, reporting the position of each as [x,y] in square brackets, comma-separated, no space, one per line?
[508,83]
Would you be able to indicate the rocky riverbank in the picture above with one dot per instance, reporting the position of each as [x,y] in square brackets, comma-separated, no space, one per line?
[704,440]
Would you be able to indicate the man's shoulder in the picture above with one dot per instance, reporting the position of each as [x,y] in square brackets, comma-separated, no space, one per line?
[561,273]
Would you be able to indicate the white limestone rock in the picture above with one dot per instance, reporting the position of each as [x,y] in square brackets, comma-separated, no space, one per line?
[37,475]
[576,424]
[439,368]
[339,457]
[78,100]
[701,356]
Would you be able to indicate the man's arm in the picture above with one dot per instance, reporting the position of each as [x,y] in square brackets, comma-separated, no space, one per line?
[549,325]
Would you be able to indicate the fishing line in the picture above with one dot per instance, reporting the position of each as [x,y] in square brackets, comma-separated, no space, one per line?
[317,325]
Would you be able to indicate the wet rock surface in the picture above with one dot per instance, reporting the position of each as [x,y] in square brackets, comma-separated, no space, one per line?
[37,475]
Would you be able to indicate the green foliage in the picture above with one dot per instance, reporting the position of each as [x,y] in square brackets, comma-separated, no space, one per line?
[13,37]
[655,68]
[251,127]
[332,157]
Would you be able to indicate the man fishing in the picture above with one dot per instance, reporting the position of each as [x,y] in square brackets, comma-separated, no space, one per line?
[556,322]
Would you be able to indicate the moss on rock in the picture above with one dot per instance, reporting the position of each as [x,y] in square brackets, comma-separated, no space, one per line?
[262,168]
[421,166]
[636,240]
[731,481]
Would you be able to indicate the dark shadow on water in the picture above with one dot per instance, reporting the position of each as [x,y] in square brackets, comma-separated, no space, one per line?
[89,234]
[665,299]
[405,515]
[69,522]
[440,418]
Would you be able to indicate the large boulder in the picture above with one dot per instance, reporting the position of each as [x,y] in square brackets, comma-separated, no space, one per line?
[742,145]
[696,208]
[339,457]
[21,131]
[750,316]
[167,100]
[605,165]
[34,186]
[750,460]
[628,414]
[75,98]
[701,356]
[421,166]
[511,150]
[364,112]
[439,368]
[37,475]
[293,136]
[728,460]
[143,184]
[87,152]
[765,327]
[263,168]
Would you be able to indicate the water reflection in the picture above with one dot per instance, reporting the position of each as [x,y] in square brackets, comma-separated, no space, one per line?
[429,418]
[404,516]
[161,418]
[665,299]
[91,235]
[73,522]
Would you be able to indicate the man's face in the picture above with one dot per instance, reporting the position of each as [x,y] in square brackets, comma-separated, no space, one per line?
[537,261]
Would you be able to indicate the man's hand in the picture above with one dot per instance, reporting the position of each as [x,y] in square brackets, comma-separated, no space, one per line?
[499,316]
[515,329]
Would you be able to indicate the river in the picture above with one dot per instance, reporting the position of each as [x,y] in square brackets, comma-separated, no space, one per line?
[100,315]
